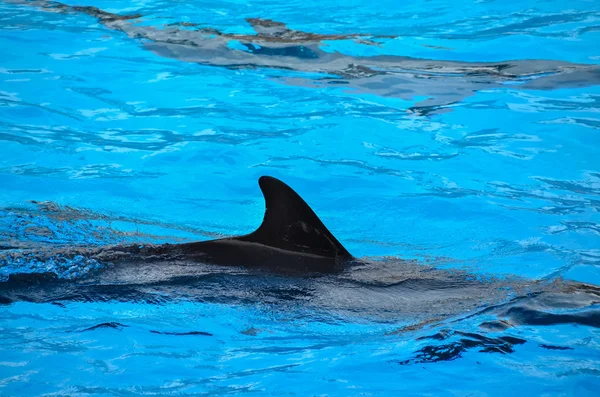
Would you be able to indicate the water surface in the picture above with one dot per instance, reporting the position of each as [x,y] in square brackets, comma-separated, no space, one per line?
[108,139]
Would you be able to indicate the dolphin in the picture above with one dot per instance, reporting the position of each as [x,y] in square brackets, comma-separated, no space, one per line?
[290,258]
[275,46]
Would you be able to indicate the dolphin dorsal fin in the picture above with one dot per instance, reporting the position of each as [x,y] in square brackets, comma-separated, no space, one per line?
[290,224]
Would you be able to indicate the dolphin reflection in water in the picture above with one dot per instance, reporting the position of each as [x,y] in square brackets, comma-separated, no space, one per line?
[275,46]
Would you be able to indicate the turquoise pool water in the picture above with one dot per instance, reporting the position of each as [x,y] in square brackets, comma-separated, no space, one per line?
[460,134]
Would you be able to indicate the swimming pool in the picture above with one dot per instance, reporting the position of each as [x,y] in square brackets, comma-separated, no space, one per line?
[460,134]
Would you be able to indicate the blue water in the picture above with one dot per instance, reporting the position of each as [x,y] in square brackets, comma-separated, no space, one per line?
[103,142]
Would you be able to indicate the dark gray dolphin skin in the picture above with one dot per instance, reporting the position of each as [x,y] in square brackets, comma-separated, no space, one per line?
[291,238]
[275,46]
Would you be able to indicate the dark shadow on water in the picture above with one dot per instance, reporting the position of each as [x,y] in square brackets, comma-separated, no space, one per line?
[455,349]
[113,325]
